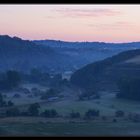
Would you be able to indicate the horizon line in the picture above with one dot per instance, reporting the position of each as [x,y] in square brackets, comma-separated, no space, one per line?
[50,39]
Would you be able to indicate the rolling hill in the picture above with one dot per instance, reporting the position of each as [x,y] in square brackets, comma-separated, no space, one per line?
[47,55]
[23,55]
[104,74]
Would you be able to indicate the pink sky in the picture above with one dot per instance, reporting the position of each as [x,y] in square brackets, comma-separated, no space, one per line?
[106,23]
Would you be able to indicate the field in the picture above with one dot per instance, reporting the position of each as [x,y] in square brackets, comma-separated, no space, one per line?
[107,105]
[70,129]
[37,126]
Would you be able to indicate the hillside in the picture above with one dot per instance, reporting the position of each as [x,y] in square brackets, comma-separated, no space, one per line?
[83,53]
[108,71]
[23,55]
[95,45]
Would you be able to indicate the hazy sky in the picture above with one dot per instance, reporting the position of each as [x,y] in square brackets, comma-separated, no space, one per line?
[108,23]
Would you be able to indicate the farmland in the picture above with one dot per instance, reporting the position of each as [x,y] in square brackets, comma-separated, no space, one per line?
[107,104]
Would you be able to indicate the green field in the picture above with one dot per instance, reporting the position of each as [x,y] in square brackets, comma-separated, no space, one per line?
[70,129]
[107,105]
[104,105]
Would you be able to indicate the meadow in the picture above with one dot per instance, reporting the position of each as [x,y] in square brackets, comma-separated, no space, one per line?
[70,129]
[108,104]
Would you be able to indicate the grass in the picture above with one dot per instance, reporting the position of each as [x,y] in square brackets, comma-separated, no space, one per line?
[70,129]
[107,105]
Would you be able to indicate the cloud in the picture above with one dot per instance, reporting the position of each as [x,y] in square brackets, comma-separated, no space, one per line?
[50,17]
[71,12]
[115,25]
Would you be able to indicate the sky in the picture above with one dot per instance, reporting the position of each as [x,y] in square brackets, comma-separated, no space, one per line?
[103,23]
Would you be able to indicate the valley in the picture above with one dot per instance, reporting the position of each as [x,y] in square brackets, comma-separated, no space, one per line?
[68,91]
[108,104]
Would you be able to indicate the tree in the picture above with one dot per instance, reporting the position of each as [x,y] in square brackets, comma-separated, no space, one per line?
[56,80]
[75,114]
[50,93]
[35,75]
[91,113]
[52,113]
[10,103]
[2,102]
[129,88]
[24,113]
[12,79]
[114,120]
[119,113]
[65,82]
[57,77]
[34,109]
[12,112]
[88,94]
[17,95]
[135,117]
[104,118]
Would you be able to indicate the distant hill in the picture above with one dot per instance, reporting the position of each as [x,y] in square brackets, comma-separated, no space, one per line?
[54,56]
[83,53]
[23,55]
[107,72]
[99,45]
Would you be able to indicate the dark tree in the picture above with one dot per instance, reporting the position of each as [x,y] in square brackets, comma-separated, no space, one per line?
[104,118]
[56,80]
[91,113]
[34,109]
[16,95]
[1,99]
[2,102]
[88,94]
[24,113]
[129,88]
[75,114]
[13,112]
[10,103]
[119,113]
[35,75]
[12,79]
[114,120]
[50,93]
[52,113]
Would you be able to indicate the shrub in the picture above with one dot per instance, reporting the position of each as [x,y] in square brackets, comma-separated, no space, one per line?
[12,112]
[2,102]
[52,113]
[33,109]
[104,118]
[114,120]
[119,113]
[129,88]
[16,96]
[135,117]
[91,113]
[87,95]
[74,114]
[24,113]
[50,93]
[10,103]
